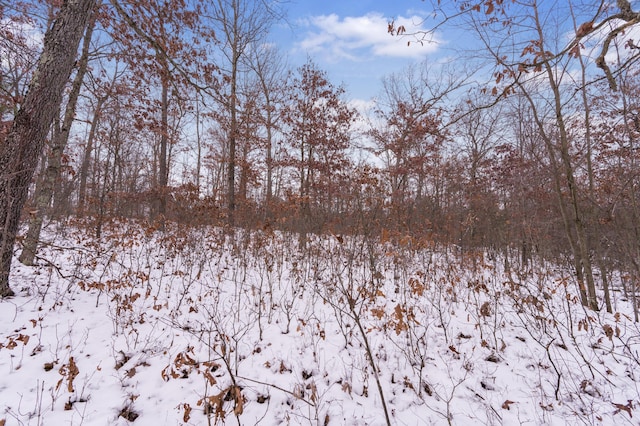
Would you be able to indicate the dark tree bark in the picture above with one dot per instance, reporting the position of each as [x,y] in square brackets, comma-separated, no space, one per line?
[46,187]
[21,149]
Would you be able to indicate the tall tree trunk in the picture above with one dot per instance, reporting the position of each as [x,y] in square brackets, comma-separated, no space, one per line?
[269,159]
[242,24]
[199,151]
[21,149]
[163,173]
[243,184]
[233,133]
[582,245]
[265,66]
[86,158]
[592,194]
[46,186]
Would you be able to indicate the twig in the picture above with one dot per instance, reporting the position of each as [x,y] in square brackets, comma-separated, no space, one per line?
[276,387]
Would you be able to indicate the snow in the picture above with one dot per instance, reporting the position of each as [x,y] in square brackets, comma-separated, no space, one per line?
[194,326]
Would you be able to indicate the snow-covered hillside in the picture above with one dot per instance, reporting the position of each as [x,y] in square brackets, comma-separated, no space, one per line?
[198,327]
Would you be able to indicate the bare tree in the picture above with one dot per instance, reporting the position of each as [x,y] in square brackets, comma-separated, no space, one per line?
[270,72]
[100,93]
[46,186]
[409,132]
[25,141]
[241,24]
[525,63]
[479,132]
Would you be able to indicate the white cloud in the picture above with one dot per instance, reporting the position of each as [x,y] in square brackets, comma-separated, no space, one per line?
[365,111]
[362,105]
[359,38]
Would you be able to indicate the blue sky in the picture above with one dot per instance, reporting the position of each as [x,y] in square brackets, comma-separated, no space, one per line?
[349,40]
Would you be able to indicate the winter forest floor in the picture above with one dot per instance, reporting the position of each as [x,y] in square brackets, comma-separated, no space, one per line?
[192,326]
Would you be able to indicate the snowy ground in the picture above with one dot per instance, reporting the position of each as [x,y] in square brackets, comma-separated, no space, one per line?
[194,327]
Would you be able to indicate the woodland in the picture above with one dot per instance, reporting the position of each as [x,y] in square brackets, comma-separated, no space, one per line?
[194,232]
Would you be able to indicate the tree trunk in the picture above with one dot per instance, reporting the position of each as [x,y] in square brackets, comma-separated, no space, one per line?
[595,229]
[46,186]
[243,184]
[163,172]
[233,132]
[25,141]
[581,251]
[86,159]
[199,151]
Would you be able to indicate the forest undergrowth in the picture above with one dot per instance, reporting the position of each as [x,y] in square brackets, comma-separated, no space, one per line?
[201,326]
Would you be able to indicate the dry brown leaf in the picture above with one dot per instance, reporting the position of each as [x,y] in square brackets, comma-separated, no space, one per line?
[506,405]
[187,412]
[239,408]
